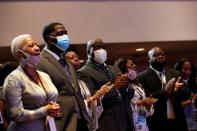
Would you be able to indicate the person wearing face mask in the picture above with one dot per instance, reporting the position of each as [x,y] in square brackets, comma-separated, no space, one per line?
[93,102]
[74,116]
[96,73]
[142,106]
[30,94]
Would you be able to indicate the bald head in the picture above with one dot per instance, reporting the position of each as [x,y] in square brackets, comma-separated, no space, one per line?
[94,44]
[157,58]
[154,49]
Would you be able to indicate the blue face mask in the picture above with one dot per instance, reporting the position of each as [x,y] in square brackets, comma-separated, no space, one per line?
[63,42]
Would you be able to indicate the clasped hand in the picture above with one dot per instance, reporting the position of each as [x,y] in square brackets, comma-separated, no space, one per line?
[53,109]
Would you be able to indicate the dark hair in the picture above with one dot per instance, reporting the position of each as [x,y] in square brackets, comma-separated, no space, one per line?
[178,66]
[48,29]
[71,48]
[6,69]
[121,64]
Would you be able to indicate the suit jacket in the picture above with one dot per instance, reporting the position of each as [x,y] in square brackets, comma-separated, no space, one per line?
[116,116]
[70,98]
[152,85]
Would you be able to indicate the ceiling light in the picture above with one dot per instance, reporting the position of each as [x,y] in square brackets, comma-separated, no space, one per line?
[140,49]
[82,61]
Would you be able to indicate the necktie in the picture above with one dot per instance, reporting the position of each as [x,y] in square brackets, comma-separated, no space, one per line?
[163,79]
[62,62]
[65,66]
[69,76]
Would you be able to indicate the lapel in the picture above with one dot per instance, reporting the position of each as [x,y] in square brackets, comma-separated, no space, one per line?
[73,73]
[168,75]
[75,85]
[52,60]
[154,79]
[91,64]
[56,63]
[79,97]
[102,70]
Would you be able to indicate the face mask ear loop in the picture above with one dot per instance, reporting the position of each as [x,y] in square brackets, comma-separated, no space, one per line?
[55,45]
[92,52]
[23,53]
[50,36]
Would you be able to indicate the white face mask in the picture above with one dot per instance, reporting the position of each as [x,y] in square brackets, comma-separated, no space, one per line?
[100,56]
[132,74]
[30,60]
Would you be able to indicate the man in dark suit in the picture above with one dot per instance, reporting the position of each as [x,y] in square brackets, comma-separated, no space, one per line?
[168,114]
[117,114]
[73,113]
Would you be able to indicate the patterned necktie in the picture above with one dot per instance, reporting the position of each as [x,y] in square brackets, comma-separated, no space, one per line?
[163,79]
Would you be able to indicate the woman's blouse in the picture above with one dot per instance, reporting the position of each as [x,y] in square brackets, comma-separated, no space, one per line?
[27,100]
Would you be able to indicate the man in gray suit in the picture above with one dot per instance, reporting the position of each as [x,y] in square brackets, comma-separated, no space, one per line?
[117,114]
[73,116]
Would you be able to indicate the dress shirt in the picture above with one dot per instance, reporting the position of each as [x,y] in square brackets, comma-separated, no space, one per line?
[170,108]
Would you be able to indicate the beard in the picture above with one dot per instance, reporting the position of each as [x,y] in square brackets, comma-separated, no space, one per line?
[158,65]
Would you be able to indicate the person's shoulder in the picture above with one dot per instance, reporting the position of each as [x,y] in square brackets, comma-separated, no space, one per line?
[114,68]
[144,72]
[85,71]
[42,73]
[15,73]
[44,62]
[144,75]
[44,54]
[173,71]
[85,67]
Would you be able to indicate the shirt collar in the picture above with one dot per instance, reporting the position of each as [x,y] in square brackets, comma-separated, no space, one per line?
[52,53]
[157,72]
[186,81]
